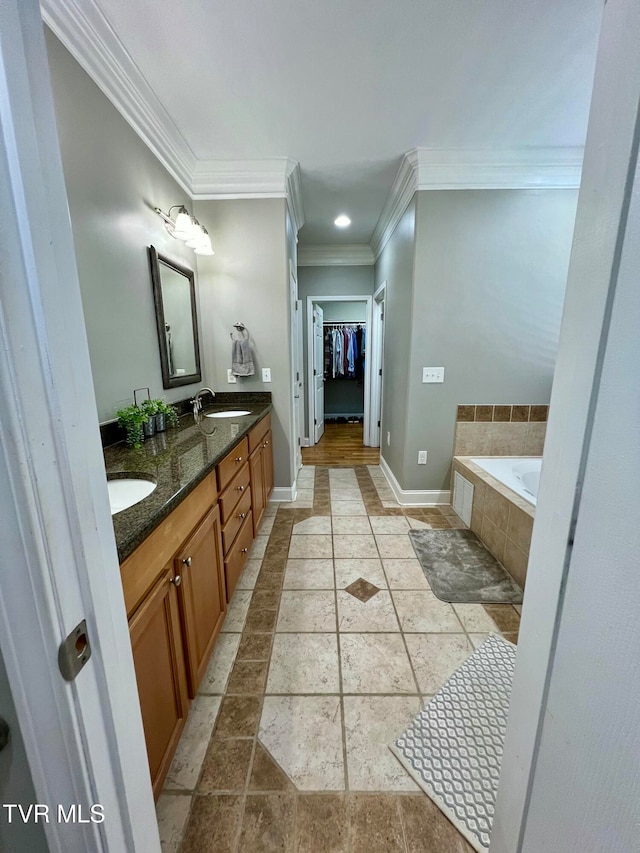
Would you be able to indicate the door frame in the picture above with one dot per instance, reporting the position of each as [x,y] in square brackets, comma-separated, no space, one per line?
[310,300]
[376,348]
[297,422]
[84,739]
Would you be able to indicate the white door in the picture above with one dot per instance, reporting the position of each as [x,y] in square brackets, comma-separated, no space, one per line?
[298,392]
[377,364]
[318,372]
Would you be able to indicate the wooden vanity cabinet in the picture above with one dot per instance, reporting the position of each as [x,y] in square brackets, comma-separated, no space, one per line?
[156,640]
[261,468]
[202,595]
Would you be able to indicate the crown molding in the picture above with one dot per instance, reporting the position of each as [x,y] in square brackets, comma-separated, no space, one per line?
[86,33]
[348,255]
[294,195]
[475,169]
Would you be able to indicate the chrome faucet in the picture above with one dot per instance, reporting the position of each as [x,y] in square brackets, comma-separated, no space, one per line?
[197,402]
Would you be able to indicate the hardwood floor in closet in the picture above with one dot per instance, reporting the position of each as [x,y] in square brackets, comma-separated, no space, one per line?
[341,444]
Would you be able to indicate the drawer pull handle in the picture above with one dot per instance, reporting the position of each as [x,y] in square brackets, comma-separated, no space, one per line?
[241,488]
[244,550]
[187,562]
[176,581]
[242,515]
[238,458]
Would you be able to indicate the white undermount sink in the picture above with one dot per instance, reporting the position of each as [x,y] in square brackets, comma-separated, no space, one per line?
[232,413]
[126,492]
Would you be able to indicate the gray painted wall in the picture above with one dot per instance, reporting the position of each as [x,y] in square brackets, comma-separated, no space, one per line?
[490,275]
[349,312]
[395,266]
[113,182]
[247,280]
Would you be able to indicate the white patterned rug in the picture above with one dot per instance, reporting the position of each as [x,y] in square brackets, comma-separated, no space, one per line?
[453,748]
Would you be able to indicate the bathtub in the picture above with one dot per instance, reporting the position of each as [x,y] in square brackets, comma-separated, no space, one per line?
[521,474]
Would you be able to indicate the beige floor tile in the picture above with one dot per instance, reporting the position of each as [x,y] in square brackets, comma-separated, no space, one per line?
[304,546]
[348,571]
[375,663]
[435,657]
[478,639]
[304,663]
[172,811]
[390,503]
[348,508]
[266,525]
[307,611]
[376,614]
[475,618]
[309,574]
[420,611]
[389,523]
[416,524]
[258,548]
[315,524]
[304,735]
[353,547]
[187,761]
[345,493]
[237,611]
[405,574]
[371,724]
[351,524]
[271,508]
[395,546]
[304,494]
[220,664]
[249,575]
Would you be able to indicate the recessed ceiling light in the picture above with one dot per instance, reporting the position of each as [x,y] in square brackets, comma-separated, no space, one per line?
[342,221]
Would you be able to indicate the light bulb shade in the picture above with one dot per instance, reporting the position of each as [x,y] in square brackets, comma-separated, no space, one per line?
[196,239]
[205,245]
[183,226]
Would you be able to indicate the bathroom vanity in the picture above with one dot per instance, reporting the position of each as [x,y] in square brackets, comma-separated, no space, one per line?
[182,550]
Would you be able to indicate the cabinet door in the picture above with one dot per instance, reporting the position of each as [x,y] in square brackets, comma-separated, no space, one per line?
[160,673]
[258,502]
[202,595]
[267,466]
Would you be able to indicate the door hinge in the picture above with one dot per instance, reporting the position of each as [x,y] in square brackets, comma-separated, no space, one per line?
[315,372]
[382,316]
[315,422]
[297,376]
[380,372]
[378,423]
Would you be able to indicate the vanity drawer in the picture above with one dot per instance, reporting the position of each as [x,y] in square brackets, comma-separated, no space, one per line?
[236,489]
[238,516]
[237,556]
[231,464]
[258,433]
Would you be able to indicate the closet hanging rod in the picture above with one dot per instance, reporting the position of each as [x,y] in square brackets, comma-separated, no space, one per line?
[344,323]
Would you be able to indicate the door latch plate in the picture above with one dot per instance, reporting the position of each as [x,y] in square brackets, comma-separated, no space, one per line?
[74,652]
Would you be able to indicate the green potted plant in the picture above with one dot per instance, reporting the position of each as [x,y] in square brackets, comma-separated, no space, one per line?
[165,413]
[132,419]
[150,408]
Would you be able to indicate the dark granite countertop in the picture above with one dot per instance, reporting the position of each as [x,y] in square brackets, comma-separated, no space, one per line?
[177,460]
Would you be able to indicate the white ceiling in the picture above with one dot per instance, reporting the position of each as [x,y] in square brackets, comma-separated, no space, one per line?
[346,88]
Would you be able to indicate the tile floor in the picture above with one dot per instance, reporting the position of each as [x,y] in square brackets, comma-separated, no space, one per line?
[332,643]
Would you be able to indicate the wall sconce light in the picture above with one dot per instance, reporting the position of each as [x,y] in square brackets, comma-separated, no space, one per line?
[187,228]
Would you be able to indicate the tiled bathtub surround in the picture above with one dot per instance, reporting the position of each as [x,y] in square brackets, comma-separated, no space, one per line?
[327,652]
[500,518]
[500,430]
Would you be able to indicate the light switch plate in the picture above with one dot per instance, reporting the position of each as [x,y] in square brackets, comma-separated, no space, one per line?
[230,377]
[266,374]
[433,374]
[422,457]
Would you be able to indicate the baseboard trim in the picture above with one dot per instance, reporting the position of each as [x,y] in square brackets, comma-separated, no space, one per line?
[281,494]
[414,497]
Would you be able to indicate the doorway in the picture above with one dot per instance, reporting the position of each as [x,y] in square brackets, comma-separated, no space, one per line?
[339,381]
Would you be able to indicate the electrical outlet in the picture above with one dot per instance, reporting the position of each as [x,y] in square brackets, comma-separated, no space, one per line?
[266,374]
[388,439]
[433,374]
[230,376]
[422,457]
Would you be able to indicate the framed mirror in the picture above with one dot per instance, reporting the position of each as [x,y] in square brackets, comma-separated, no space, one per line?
[174,295]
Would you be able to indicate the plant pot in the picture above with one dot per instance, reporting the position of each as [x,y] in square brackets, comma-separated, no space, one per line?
[161,421]
[149,426]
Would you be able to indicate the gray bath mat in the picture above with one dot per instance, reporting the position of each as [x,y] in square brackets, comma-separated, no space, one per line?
[461,570]
[453,748]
